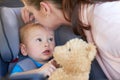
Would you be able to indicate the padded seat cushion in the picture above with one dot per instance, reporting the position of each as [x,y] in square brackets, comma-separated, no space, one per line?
[10,21]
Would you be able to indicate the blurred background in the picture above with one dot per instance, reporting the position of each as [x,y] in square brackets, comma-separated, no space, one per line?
[11,3]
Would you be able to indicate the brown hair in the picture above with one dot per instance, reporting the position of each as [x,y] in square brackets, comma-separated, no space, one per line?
[70,10]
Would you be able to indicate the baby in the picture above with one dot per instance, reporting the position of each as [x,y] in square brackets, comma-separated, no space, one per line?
[38,44]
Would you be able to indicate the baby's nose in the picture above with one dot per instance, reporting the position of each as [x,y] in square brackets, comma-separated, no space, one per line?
[46,44]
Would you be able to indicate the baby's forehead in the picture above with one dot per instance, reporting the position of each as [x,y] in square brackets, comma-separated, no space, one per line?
[46,30]
[40,30]
[50,31]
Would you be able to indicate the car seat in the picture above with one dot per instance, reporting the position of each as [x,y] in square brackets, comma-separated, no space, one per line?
[11,3]
[10,21]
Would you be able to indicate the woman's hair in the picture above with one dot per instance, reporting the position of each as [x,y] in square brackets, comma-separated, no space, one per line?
[71,10]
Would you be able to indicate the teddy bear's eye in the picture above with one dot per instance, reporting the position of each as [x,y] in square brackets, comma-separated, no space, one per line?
[69,49]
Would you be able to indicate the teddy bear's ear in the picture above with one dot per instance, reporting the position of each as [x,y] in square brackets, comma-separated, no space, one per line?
[92,51]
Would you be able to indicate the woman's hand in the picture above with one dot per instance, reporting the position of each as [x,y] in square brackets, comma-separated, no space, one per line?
[26,15]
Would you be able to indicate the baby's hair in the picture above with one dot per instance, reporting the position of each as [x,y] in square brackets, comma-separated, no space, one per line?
[25,28]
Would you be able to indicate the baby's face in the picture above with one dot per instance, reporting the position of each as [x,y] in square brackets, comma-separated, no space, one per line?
[40,44]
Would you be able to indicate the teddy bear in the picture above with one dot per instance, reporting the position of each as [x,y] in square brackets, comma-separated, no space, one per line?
[75,59]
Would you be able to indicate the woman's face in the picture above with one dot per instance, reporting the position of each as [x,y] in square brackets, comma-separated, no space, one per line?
[49,16]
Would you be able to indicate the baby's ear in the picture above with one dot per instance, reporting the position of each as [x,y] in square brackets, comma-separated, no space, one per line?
[92,51]
[23,49]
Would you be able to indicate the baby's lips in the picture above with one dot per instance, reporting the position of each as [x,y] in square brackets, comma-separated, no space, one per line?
[55,64]
[47,52]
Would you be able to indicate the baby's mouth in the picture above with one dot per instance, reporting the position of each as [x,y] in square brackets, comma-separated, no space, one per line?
[47,52]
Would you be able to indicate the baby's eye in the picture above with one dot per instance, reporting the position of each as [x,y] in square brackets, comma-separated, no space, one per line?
[50,39]
[39,39]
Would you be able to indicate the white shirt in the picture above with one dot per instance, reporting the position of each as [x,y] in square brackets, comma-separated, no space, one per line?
[105,30]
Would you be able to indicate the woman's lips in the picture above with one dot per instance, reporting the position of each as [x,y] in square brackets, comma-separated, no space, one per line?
[46,52]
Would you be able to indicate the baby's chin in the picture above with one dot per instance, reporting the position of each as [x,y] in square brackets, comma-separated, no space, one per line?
[46,59]
[49,58]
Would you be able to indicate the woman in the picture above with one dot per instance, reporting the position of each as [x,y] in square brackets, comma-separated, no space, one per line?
[96,21]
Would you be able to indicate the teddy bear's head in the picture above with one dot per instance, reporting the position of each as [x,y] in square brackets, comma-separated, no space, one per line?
[75,56]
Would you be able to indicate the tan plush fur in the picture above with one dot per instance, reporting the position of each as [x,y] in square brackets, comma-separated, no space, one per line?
[75,57]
